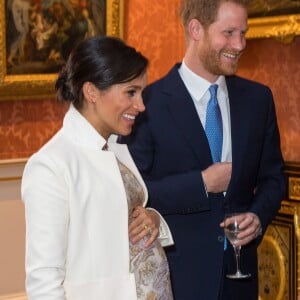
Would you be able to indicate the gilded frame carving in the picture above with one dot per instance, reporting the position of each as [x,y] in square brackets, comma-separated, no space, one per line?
[40,86]
[283,28]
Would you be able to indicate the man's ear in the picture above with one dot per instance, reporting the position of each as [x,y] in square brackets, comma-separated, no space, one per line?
[89,92]
[195,29]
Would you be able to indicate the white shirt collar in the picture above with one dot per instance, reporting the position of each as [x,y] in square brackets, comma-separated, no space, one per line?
[198,86]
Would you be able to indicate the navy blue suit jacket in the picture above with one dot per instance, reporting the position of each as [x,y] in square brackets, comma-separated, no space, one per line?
[170,149]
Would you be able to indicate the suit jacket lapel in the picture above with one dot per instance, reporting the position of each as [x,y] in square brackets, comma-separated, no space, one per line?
[184,113]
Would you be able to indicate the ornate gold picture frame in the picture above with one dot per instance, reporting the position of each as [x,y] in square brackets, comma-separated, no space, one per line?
[40,85]
[274,19]
[283,28]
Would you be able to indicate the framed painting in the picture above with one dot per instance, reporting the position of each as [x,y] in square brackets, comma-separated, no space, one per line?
[36,37]
[274,19]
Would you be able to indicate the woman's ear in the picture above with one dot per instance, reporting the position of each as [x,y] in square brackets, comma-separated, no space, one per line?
[195,30]
[89,92]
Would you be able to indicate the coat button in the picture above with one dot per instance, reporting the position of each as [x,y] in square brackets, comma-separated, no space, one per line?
[221,238]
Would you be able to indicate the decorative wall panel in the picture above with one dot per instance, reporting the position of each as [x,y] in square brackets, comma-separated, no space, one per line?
[277,260]
[279,252]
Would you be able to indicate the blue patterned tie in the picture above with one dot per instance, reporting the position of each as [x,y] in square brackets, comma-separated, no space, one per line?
[214,129]
[213,125]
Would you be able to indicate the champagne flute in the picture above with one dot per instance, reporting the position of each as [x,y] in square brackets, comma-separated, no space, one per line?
[231,229]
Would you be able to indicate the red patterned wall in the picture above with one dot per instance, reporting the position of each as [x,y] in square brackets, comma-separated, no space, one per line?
[155,30]
[278,66]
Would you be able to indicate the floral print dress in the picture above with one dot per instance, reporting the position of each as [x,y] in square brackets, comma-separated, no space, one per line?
[149,265]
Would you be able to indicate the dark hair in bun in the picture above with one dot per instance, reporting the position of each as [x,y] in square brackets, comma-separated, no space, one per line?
[101,60]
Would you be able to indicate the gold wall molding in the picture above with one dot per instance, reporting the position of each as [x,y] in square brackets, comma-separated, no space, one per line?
[293,172]
[294,188]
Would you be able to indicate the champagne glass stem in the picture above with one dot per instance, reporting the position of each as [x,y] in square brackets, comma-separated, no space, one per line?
[237,250]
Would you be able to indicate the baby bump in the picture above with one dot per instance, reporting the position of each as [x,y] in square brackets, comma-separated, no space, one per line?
[151,271]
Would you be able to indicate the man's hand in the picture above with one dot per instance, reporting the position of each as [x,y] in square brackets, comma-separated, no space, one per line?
[217,177]
[250,226]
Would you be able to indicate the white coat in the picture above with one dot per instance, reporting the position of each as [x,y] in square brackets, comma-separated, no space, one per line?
[77,245]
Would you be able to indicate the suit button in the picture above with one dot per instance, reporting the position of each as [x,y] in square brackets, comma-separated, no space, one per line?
[221,238]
